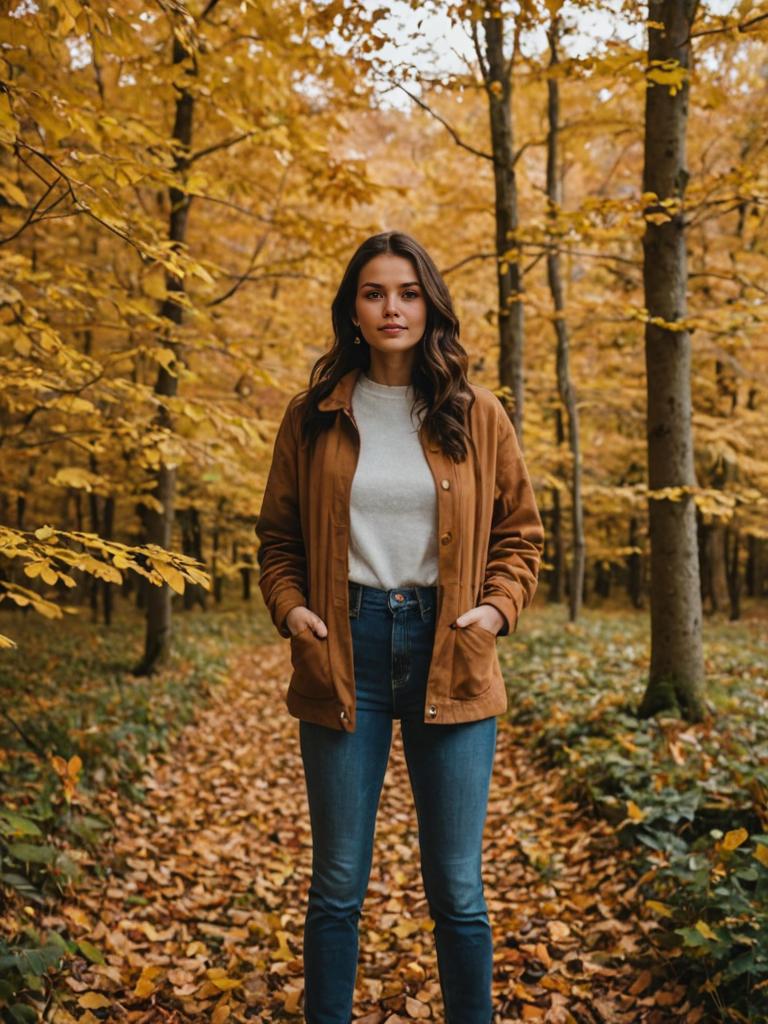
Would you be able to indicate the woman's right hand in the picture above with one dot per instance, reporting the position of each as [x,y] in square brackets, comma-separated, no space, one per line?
[299,618]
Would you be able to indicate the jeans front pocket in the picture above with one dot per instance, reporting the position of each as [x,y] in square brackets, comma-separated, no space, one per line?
[473,656]
[311,666]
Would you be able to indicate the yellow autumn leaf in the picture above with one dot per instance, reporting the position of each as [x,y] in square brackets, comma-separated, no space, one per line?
[93,1001]
[74,476]
[659,908]
[225,983]
[172,576]
[635,812]
[221,1014]
[146,983]
[144,987]
[734,838]
[283,951]
[703,929]
[5,641]
[73,404]
[13,192]
[47,575]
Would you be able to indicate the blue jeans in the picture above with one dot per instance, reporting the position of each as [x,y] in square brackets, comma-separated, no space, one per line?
[449,767]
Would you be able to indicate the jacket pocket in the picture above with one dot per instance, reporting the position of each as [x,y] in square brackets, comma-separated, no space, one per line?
[473,655]
[311,666]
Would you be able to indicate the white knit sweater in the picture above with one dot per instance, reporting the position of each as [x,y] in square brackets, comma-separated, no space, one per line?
[393,505]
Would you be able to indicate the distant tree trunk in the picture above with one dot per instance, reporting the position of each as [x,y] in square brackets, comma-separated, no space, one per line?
[564,386]
[676,680]
[497,77]
[94,584]
[245,576]
[554,536]
[634,567]
[192,544]
[107,588]
[732,539]
[603,571]
[754,572]
[216,575]
[159,521]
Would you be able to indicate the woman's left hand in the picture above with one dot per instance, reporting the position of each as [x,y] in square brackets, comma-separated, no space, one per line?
[485,615]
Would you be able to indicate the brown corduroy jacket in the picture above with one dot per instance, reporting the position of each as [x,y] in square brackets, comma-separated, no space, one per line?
[490,545]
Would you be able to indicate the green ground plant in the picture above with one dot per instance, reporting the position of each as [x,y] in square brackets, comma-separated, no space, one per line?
[690,800]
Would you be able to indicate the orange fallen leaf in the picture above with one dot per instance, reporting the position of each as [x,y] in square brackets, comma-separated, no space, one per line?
[559,930]
[641,983]
[416,1009]
[733,839]
[532,1012]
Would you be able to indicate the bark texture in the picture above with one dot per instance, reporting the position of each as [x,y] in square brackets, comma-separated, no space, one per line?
[676,681]
[497,76]
[564,385]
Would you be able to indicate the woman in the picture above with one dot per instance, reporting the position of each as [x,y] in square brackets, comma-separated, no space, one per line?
[399,536]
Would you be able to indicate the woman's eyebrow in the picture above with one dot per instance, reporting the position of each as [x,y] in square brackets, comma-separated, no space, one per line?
[373,284]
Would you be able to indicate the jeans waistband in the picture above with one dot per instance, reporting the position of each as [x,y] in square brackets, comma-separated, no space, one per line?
[424,598]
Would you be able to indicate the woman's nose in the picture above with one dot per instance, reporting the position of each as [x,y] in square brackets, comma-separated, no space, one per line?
[390,304]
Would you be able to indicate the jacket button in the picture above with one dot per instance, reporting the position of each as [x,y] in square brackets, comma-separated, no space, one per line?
[445,484]
[446,538]
[432,710]
[342,714]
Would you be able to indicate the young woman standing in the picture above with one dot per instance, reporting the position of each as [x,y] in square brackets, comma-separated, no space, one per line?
[399,536]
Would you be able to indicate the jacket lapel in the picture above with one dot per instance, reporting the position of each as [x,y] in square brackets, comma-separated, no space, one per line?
[341,395]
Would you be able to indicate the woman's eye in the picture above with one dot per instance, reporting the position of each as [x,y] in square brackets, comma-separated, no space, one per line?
[407,294]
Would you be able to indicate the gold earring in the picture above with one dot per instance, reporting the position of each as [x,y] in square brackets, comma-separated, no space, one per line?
[357,340]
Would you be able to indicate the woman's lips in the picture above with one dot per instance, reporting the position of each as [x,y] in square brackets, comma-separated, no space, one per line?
[391,330]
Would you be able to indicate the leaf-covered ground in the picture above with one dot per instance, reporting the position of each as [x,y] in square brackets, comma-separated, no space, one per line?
[200,915]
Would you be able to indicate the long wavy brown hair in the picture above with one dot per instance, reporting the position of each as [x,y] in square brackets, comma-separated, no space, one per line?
[439,379]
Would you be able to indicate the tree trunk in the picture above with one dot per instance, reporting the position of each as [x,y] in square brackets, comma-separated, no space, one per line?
[676,680]
[564,386]
[192,544]
[159,521]
[106,588]
[497,76]
[634,568]
[245,576]
[94,583]
[217,577]
[554,536]
[732,544]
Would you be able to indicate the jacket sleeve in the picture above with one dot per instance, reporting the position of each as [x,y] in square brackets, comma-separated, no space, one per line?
[517,534]
[282,555]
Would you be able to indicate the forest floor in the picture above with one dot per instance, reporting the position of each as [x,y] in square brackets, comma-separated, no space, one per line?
[200,915]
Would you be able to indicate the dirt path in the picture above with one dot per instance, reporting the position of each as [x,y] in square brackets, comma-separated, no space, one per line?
[201,917]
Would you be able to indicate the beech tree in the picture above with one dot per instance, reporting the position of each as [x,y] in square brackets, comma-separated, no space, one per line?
[676,679]
[554,277]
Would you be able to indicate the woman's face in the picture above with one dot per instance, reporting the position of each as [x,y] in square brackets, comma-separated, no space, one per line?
[389,296]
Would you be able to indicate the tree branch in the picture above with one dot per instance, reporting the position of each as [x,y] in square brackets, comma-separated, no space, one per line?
[449,128]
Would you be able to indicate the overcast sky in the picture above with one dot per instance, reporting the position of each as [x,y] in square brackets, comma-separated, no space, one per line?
[437,46]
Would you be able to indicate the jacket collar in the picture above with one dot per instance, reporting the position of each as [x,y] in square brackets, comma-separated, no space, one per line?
[341,395]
